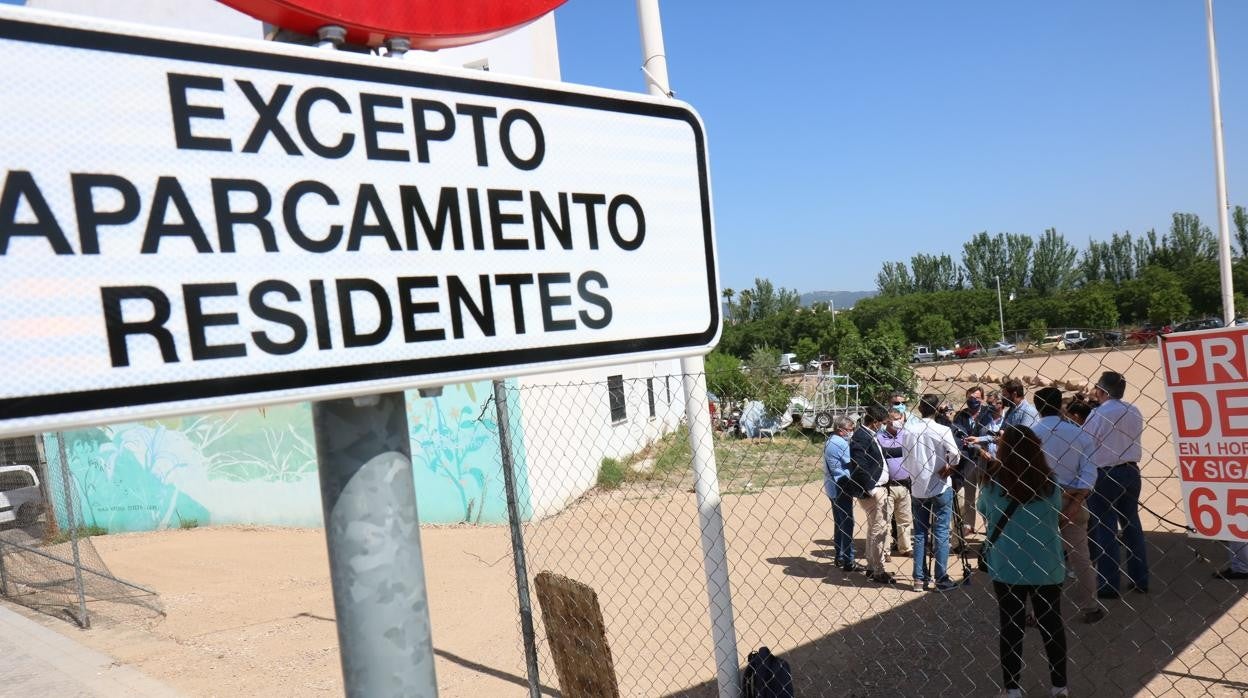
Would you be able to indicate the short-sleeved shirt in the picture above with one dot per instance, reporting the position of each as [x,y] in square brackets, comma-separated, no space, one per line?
[1029,548]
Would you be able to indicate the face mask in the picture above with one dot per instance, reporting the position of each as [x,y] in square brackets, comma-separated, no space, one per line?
[973,403]
[896,424]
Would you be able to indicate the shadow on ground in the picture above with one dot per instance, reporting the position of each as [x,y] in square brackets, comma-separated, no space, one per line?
[946,644]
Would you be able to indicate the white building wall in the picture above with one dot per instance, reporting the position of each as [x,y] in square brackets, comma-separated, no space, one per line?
[568,430]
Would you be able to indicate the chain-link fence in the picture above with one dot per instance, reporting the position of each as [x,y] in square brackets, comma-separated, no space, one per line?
[47,559]
[615,509]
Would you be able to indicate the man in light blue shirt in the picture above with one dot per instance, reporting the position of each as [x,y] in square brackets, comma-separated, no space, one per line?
[1019,412]
[835,471]
[1068,449]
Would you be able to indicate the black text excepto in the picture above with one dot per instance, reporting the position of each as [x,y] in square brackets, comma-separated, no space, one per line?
[397,218]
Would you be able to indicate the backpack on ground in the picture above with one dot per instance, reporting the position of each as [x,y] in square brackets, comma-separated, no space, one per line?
[766,676]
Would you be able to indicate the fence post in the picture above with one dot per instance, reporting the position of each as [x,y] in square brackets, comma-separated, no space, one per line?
[711,524]
[517,539]
[67,484]
[363,452]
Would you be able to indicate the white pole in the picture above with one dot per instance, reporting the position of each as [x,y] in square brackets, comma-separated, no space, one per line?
[1000,309]
[701,438]
[1219,160]
[711,523]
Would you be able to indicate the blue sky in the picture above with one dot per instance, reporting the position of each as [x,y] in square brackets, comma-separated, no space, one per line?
[844,134]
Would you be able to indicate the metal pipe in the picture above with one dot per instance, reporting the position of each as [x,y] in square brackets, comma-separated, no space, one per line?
[711,525]
[1219,168]
[1000,308]
[372,531]
[701,438]
[517,540]
[83,619]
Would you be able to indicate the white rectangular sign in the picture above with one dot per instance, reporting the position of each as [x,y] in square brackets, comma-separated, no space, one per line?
[1207,394]
[191,223]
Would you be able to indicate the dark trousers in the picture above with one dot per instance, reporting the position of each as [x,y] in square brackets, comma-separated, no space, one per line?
[1046,600]
[1114,505]
[843,528]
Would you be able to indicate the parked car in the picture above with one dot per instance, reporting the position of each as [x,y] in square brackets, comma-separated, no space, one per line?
[968,350]
[1240,321]
[20,498]
[1148,333]
[999,348]
[1208,323]
[921,354]
[944,354]
[1074,339]
[789,364]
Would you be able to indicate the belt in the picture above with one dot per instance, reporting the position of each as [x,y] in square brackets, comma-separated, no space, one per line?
[1119,465]
[897,483]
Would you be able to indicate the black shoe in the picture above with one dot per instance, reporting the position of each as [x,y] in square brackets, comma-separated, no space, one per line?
[946,585]
[1108,594]
[1229,574]
[848,566]
[883,578]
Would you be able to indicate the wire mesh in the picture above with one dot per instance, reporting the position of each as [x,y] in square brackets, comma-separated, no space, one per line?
[629,529]
[47,559]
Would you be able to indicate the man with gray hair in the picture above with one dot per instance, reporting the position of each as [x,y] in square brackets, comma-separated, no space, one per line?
[837,485]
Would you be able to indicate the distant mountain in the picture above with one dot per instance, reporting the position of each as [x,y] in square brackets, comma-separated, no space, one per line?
[841,300]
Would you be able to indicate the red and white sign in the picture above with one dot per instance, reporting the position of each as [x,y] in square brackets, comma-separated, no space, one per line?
[1207,393]
[428,24]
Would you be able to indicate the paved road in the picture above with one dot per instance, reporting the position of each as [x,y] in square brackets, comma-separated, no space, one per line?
[38,661]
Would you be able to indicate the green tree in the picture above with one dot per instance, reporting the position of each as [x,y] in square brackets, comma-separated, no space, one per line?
[1037,330]
[1163,291]
[1053,263]
[765,382]
[1094,307]
[806,349]
[984,257]
[894,280]
[880,364]
[935,331]
[724,376]
[934,273]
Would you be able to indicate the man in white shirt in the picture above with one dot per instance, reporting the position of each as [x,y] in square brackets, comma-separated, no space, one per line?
[930,454]
[1116,427]
[1068,449]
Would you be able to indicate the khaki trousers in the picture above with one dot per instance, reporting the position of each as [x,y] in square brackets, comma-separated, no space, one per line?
[878,506]
[900,497]
[1075,542]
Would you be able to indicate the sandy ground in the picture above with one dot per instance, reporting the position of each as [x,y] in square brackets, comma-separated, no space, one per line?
[249,611]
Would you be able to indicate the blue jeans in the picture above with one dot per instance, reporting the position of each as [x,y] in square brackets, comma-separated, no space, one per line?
[932,515]
[1115,502]
[843,528]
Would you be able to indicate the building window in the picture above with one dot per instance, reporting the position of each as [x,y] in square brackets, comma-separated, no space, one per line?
[615,393]
[650,395]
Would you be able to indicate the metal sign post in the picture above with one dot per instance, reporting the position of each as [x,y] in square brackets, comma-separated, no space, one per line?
[365,464]
[701,434]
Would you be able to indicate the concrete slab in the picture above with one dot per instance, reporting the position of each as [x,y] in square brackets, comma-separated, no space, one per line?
[38,661]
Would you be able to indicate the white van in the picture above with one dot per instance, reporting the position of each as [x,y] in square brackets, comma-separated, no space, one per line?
[20,499]
[789,364]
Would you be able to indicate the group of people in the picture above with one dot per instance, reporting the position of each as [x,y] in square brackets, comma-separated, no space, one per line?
[1057,485]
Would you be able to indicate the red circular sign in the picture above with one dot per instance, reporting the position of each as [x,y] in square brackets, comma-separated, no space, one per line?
[428,24]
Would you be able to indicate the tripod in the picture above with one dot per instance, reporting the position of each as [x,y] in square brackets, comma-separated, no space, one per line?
[929,550]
